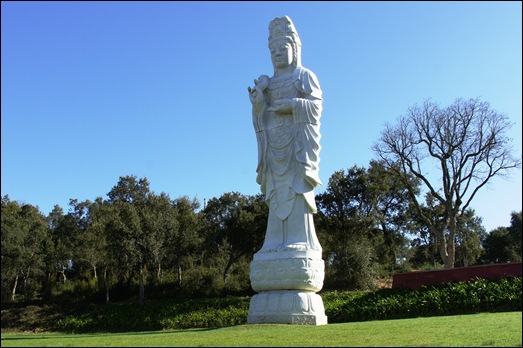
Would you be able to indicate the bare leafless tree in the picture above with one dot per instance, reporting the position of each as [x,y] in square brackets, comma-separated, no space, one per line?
[466,142]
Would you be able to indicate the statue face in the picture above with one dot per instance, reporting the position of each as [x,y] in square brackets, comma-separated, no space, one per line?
[281,54]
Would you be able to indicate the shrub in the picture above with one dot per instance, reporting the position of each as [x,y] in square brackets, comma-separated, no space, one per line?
[340,306]
[443,299]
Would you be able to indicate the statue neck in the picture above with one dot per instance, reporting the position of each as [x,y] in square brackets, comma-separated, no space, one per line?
[284,71]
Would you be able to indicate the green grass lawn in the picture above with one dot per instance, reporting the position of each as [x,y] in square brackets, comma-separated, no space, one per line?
[474,330]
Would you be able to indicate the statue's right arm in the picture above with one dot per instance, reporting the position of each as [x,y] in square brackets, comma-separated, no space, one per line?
[257,98]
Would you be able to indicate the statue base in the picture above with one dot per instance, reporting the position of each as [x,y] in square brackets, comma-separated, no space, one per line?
[287,307]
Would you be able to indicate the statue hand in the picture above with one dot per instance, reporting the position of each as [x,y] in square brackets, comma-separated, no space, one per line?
[256,96]
[282,106]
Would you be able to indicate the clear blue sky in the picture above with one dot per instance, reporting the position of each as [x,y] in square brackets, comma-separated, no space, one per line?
[92,91]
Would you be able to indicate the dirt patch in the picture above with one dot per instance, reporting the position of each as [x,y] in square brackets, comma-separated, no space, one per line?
[384,283]
[33,317]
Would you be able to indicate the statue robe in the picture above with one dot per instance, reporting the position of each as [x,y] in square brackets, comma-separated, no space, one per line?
[288,158]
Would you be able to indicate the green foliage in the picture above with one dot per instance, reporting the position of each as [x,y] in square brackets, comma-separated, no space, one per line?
[361,222]
[503,244]
[235,226]
[76,291]
[352,268]
[217,317]
[205,281]
[340,306]
[445,299]
[161,314]
[24,235]
[469,236]
[383,271]
[515,232]
[139,242]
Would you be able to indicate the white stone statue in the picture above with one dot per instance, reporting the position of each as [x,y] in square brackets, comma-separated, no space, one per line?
[286,116]
[286,112]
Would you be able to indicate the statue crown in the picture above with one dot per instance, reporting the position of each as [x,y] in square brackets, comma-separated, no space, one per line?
[282,27]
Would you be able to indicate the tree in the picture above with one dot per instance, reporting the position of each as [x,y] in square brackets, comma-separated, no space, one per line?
[469,236]
[465,142]
[503,244]
[245,231]
[65,230]
[181,243]
[361,221]
[424,245]
[24,231]
[362,218]
[514,235]
[92,249]
[496,246]
[391,203]
[12,241]
[235,226]
[92,240]
[129,190]
[470,233]
[159,220]
[134,238]
[345,223]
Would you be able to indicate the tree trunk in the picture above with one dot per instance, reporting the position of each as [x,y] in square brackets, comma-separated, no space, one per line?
[64,277]
[434,251]
[451,245]
[48,284]
[26,293]
[13,290]
[94,272]
[142,287]
[442,247]
[106,281]
[26,286]
[227,268]
[159,273]
[179,275]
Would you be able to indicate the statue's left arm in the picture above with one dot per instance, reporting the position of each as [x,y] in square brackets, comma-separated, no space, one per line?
[306,110]
[308,107]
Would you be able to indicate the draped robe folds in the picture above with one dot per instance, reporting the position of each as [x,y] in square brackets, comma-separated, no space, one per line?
[288,158]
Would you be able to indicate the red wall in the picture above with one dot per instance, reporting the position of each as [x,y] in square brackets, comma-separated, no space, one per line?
[413,280]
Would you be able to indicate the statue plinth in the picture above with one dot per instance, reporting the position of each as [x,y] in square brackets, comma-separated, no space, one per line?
[287,307]
[287,282]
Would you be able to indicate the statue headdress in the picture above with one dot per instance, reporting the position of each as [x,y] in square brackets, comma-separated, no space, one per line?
[282,28]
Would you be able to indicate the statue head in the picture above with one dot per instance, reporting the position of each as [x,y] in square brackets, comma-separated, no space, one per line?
[281,29]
